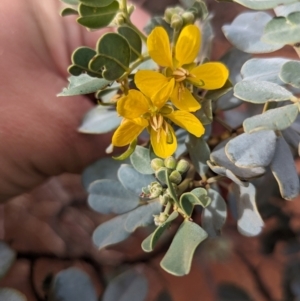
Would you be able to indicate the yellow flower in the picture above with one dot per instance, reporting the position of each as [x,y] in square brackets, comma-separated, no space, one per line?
[140,112]
[179,69]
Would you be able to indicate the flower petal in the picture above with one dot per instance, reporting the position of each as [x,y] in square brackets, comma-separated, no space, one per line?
[184,100]
[133,105]
[154,85]
[188,45]
[128,131]
[209,76]
[188,122]
[160,146]
[159,47]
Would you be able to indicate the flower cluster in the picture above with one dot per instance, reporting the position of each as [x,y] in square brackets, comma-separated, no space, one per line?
[165,97]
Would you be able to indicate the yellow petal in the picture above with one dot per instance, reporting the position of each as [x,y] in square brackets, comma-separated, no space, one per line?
[159,47]
[188,45]
[188,122]
[209,76]
[128,131]
[160,146]
[154,85]
[184,100]
[133,105]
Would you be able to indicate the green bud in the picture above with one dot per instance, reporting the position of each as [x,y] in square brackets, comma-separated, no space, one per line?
[168,14]
[157,163]
[175,177]
[183,166]
[131,9]
[155,189]
[160,219]
[176,22]
[120,19]
[188,18]
[170,162]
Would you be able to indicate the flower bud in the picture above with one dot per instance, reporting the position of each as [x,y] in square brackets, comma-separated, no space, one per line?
[168,14]
[183,166]
[188,18]
[157,163]
[120,19]
[160,219]
[176,22]
[170,162]
[155,189]
[130,9]
[175,177]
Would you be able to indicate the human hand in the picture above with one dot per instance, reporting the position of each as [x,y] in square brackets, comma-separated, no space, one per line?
[38,130]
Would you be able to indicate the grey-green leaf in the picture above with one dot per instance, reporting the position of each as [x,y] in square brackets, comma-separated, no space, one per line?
[83,84]
[246,30]
[199,153]
[105,168]
[263,69]
[111,232]
[113,56]
[252,150]
[275,119]
[284,170]
[132,180]
[68,11]
[108,196]
[128,286]
[141,160]
[284,10]
[142,216]
[214,215]
[97,17]
[263,4]
[290,73]
[134,41]
[260,91]
[96,3]
[283,30]
[221,164]
[72,284]
[80,61]
[178,259]
[9,294]
[7,258]
[100,120]
[202,196]
[249,222]
[149,243]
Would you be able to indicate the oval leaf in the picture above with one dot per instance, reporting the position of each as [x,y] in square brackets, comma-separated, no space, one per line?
[128,286]
[290,73]
[250,222]
[72,285]
[132,179]
[284,10]
[108,196]
[283,30]
[263,4]
[111,232]
[100,120]
[263,69]
[96,3]
[142,216]
[83,84]
[284,170]
[113,56]
[246,30]
[141,160]
[275,119]
[97,17]
[214,215]
[252,150]
[260,91]
[178,258]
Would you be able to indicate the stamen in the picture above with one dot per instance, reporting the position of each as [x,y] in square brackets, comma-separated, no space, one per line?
[180,74]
